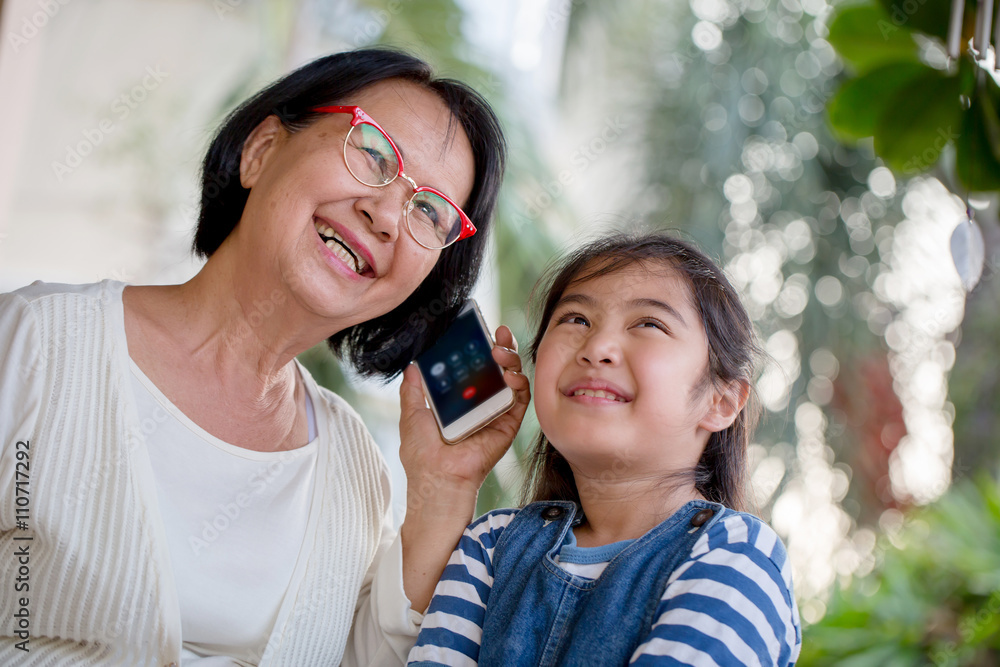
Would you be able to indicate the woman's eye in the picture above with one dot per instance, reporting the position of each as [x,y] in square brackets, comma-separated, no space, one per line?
[428,211]
[379,161]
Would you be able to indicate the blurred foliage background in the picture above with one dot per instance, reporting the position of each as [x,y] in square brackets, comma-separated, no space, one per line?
[840,165]
[826,155]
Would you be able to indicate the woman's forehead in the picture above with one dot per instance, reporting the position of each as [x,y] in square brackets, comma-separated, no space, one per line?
[430,139]
[396,104]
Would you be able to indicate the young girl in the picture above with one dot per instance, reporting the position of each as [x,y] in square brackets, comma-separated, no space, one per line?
[636,548]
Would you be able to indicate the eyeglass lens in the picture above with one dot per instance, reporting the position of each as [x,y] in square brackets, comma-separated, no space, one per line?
[433,221]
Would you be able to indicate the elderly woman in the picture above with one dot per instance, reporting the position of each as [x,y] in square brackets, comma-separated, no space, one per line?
[176,488]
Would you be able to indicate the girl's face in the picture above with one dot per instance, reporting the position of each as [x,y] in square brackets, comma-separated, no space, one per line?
[300,186]
[620,374]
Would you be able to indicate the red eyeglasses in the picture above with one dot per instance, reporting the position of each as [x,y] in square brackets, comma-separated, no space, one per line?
[433,220]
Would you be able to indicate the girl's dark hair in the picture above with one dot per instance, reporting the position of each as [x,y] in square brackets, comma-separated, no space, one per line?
[382,346]
[721,473]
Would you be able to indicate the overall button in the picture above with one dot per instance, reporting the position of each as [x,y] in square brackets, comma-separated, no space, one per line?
[701,517]
[552,513]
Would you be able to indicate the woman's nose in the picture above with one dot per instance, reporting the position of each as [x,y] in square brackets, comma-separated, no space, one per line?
[599,348]
[386,208]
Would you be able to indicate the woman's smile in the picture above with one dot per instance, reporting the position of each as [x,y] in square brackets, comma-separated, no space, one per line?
[343,246]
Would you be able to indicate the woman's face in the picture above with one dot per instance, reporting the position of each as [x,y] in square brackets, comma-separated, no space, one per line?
[300,185]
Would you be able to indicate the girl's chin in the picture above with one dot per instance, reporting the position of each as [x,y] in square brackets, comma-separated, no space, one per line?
[594,453]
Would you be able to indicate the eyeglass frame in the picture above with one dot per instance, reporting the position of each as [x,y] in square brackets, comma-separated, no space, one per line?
[358,116]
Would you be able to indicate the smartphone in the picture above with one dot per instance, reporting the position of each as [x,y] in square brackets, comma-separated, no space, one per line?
[462,383]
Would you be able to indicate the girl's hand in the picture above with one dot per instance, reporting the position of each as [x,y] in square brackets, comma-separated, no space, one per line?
[437,471]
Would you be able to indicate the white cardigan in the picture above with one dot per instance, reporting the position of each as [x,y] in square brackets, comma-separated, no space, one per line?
[99,584]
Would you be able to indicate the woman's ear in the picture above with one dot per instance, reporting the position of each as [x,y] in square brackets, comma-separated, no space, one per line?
[257,147]
[725,404]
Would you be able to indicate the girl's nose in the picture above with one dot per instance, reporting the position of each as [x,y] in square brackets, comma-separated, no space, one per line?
[599,348]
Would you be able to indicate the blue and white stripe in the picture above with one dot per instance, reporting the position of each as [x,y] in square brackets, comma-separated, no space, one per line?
[453,625]
[730,603]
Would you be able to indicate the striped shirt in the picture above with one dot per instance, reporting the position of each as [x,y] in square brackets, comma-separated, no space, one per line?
[729,603]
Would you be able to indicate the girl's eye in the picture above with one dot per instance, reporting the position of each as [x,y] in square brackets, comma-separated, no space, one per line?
[573,318]
[652,323]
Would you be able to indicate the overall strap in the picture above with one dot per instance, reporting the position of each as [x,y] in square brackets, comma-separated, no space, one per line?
[540,614]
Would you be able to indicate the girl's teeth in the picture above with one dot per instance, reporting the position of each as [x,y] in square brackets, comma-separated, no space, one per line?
[597,393]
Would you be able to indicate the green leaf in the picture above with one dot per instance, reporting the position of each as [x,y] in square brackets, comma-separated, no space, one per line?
[911,620]
[982,622]
[978,148]
[832,637]
[865,37]
[857,105]
[920,119]
[873,657]
[927,16]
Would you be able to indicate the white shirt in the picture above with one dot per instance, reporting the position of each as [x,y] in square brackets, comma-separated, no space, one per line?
[102,587]
[234,519]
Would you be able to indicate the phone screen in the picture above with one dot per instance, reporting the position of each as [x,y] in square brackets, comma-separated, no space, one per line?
[459,370]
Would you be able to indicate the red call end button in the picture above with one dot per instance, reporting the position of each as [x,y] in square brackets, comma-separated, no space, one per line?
[469,393]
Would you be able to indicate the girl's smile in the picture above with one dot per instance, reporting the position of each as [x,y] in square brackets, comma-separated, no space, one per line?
[597,392]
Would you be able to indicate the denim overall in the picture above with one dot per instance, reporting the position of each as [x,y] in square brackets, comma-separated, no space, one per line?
[539,614]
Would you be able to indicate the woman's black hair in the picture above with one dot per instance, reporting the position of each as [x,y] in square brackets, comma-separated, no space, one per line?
[733,350]
[382,346]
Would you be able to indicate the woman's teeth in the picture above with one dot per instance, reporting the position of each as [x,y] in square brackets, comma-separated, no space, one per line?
[597,393]
[338,246]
